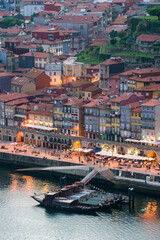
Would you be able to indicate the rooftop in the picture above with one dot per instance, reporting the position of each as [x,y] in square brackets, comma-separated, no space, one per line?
[114,60]
[12,96]
[19,80]
[151,103]
[148,38]
[33,73]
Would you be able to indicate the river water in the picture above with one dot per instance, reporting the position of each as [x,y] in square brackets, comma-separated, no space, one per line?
[22,219]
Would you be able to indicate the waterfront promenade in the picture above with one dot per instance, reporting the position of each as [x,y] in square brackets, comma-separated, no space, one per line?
[74,158]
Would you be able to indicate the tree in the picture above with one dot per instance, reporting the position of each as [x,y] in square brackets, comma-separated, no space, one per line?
[141,27]
[10,22]
[155,11]
[113,41]
[113,34]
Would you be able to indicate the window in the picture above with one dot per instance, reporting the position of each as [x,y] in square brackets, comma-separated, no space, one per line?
[50,37]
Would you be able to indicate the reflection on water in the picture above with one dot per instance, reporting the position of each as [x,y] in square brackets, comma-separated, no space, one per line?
[22,218]
[151,212]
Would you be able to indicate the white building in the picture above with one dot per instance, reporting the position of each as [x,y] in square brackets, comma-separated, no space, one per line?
[54,71]
[150,120]
[28,7]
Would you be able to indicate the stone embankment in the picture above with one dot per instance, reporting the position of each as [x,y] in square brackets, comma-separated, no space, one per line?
[122,179]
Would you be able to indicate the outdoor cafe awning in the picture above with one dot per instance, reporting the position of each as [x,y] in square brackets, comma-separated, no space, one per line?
[78,150]
[20,115]
[126,156]
[149,142]
[87,150]
[83,150]
[131,140]
[38,127]
[142,141]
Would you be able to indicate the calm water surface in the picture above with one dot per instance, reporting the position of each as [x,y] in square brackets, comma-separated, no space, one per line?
[22,219]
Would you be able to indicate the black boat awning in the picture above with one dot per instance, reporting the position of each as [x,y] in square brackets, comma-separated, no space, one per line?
[97,149]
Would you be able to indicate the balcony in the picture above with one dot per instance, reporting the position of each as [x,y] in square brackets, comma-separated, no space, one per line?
[66,119]
[147,119]
[66,126]
[146,127]
[74,120]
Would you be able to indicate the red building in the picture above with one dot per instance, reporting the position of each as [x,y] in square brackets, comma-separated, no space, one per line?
[52,6]
[114,85]
[50,33]
[39,77]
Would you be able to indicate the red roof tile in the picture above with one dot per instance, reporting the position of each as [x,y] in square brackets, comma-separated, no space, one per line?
[148,38]
[151,103]
[115,60]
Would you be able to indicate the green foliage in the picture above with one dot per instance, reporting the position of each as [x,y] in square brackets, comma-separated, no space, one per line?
[93,55]
[148,24]
[155,11]
[113,34]
[104,56]
[113,41]
[10,22]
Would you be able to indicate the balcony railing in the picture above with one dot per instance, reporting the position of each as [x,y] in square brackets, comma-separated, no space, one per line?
[148,119]
[66,126]
[66,118]
[147,127]
[74,120]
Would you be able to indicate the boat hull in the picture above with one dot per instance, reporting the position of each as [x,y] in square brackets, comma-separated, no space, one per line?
[79,207]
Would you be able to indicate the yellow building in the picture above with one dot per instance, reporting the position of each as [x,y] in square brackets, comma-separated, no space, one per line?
[105,125]
[151,91]
[75,89]
[115,116]
[90,92]
[73,68]
[22,84]
[58,112]
[40,59]
[41,115]
[136,123]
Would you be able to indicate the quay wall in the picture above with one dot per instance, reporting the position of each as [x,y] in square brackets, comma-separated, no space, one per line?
[29,161]
[122,182]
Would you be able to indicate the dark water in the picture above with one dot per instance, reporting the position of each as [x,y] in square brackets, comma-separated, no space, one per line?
[22,219]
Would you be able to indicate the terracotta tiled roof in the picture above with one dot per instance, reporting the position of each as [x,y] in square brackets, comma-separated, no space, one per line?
[125,96]
[151,103]
[73,101]
[77,19]
[146,70]
[148,38]
[12,96]
[4,74]
[150,88]
[61,97]
[95,67]
[43,109]
[33,73]
[116,60]
[13,30]
[145,79]
[77,84]
[19,80]
[17,102]
[91,89]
